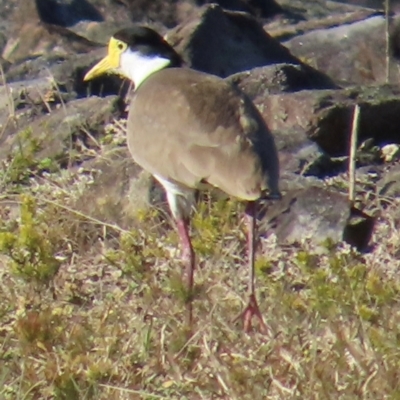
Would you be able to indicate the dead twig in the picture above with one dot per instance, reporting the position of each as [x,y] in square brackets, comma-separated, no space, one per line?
[352,156]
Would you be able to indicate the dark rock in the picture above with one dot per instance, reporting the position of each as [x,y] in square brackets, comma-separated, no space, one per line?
[279,78]
[7,8]
[368,153]
[358,230]
[316,214]
[37,38]
[120,189]
[320,10]
[350,54]
[299,155]
[54,12]
[292,145]
[67,74]
[296,217]
[16,96]
[259,8]
[326,115]
[389,184]
[167,13]
[33,68]
[58,133]
[394,38]
[100,32]
[314,162]
[223,43]
[172,12]
[291,181]
[377,4]
[301,17]
[161,14]
[66,13]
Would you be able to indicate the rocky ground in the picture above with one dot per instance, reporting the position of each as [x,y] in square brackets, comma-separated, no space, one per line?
[91,298]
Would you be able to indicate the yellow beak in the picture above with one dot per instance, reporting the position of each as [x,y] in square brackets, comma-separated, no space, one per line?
[106,65]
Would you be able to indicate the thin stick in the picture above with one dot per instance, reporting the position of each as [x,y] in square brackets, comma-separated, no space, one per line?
[251,216]
[352,156]
[387,37]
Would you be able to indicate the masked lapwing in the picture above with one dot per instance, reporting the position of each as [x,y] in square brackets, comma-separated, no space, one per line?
[188,128]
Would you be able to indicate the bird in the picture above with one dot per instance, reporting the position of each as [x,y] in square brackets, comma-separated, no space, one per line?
[192,130]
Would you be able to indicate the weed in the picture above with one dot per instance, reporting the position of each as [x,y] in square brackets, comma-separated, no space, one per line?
[24,163]
[30,247]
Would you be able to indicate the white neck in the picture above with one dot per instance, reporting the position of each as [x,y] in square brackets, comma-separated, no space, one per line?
[138,67]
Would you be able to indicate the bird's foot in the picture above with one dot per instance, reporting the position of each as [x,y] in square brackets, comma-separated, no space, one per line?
[250,311]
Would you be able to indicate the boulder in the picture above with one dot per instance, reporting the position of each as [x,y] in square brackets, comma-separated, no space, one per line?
[66,13]
[62,134]
[278,78]
[37,38]
[223,43]
[318,11]
[120,189]
[351,54]
[389,185]
[308,16]
[16,96]
[317,214]
[326,115]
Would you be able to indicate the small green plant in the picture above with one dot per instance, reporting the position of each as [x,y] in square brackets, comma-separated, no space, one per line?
[128,257]
[31,249]
[23,162]
[213,223]
[263,266]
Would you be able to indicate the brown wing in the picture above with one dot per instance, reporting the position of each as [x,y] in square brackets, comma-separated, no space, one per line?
[189,127]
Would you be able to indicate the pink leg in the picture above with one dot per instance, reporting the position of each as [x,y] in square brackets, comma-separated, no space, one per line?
[189,261]
[252,309]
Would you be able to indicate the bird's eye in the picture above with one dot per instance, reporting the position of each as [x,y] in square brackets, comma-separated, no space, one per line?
[120,46]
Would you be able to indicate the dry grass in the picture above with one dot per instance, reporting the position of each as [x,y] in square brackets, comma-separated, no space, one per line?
[107,323]
[90,311]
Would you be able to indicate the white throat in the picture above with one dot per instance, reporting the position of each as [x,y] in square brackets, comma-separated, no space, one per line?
[138,67]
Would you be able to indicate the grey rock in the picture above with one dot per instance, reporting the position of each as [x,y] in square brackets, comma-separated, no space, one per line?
[34,39]
[319,215]
[326,115]
[223,43]
[389,184]
[58,132]
[18,95]
[120,189]
[278,78]
[350,54]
